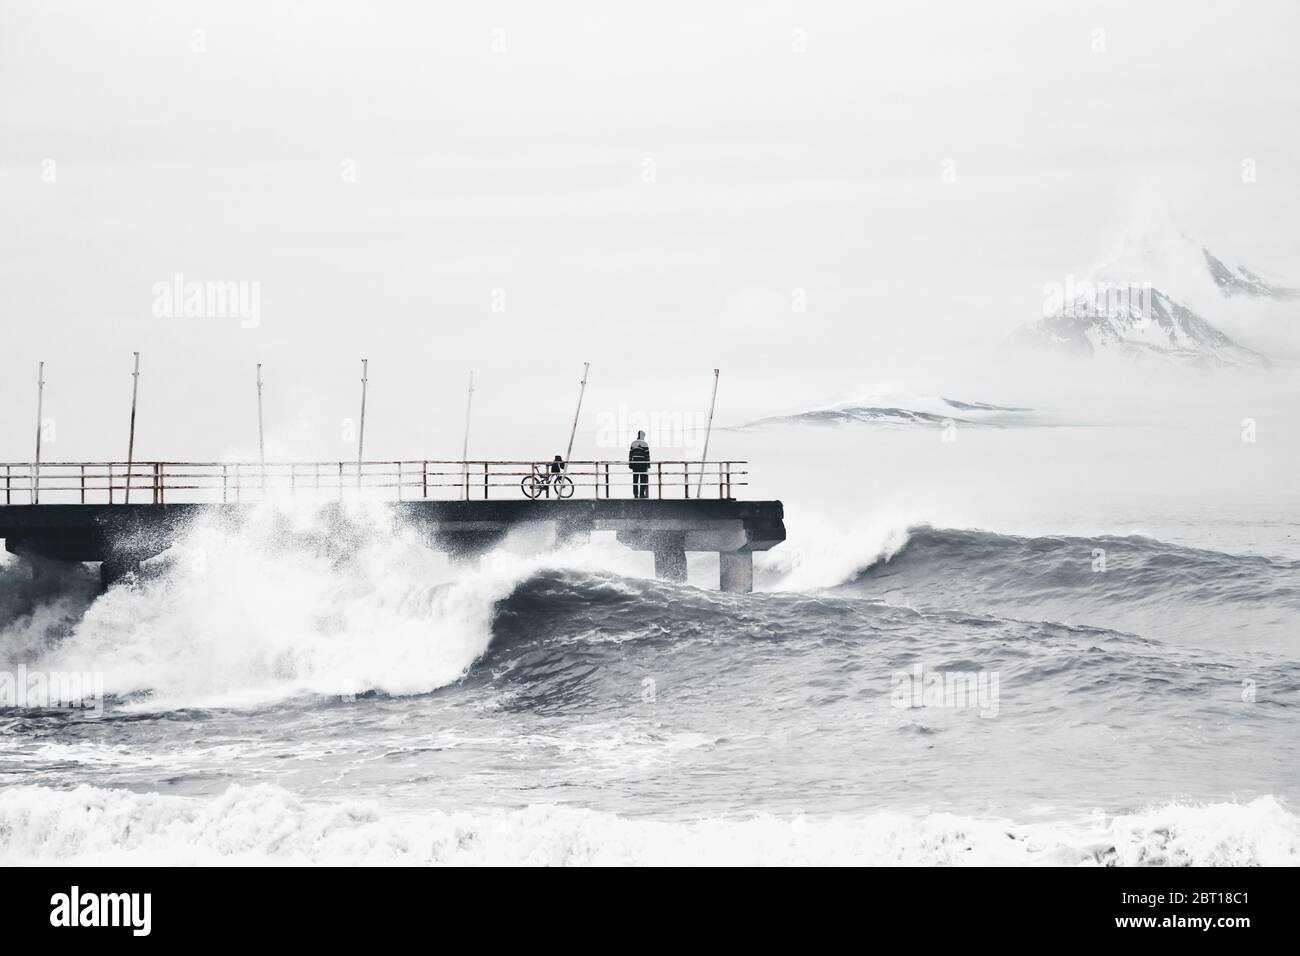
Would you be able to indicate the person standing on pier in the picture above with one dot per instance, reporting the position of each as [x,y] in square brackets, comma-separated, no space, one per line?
[638,459]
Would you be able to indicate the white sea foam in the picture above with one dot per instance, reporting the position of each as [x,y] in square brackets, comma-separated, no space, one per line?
[266,824]
[822,555]
[243,616]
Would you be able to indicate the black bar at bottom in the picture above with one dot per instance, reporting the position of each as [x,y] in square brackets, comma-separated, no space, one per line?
[933,909]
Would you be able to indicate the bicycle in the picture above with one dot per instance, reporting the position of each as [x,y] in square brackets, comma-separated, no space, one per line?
[542,481]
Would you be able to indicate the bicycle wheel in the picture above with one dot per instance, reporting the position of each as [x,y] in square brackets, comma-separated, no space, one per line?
[530,486]
[562,485]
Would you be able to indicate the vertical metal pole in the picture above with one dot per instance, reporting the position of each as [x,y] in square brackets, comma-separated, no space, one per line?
[464,451]
[261,444]
[705,457]
[361,433]
[130,447]
[40,399]
[586,366]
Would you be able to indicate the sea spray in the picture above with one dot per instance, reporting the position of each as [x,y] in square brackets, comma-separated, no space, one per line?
[277,607]
[822,554]
[41,602]
[290,601]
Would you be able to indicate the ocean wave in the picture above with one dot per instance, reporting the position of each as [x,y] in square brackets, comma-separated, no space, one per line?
[263,613]
[291,603]
[1143,565]
[1133,583]
[267,824]
[239,616]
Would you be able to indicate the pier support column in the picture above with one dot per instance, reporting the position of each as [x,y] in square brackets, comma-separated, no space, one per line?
[670,563]
[114,570]
[736,571]
[46,574]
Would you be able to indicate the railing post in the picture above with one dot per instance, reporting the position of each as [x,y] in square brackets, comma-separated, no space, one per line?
[224,483]
[424,476]
[485,480]
[606,481]
[83,484]
[399,481]
[7,501]
[340,481]
[659,473]
[686,478]
[110,483]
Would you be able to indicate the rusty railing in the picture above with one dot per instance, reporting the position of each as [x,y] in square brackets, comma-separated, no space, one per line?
[163,482]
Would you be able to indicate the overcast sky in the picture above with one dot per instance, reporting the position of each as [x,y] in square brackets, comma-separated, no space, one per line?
[815,197]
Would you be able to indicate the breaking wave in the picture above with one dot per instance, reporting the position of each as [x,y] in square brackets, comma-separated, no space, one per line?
[280,606]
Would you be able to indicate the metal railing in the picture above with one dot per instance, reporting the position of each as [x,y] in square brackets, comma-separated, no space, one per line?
[161,482]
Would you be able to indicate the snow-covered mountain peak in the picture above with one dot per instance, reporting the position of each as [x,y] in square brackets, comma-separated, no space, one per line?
[1149,300]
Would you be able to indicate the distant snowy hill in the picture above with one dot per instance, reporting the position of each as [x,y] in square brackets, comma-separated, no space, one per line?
[1149,302]
[1152,325]
[893,408]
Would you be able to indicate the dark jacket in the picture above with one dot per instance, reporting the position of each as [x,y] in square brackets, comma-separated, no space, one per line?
[638,456]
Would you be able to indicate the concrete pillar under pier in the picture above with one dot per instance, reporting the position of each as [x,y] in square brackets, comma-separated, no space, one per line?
[736,571]
[670,563]
[114,570]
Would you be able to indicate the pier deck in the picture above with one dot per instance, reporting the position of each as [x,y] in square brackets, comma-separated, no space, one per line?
[701,517]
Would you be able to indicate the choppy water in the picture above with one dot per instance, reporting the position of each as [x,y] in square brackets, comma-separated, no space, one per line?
[273,698]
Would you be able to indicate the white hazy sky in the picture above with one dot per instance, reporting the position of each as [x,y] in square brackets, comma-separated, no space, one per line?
[505,146]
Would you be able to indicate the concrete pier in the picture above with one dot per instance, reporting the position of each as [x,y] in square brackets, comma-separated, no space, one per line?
[736,571]
[670,558]
[121,536]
